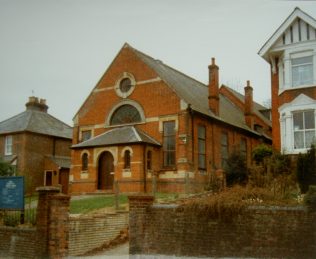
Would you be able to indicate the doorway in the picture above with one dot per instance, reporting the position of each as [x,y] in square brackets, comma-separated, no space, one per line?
[105,171]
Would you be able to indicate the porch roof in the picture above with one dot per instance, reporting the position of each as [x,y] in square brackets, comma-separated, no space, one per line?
[119,136]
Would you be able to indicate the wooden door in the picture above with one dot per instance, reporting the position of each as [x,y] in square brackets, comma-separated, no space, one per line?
[105,171]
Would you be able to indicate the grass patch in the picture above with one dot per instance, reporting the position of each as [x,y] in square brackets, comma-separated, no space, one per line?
[89,204]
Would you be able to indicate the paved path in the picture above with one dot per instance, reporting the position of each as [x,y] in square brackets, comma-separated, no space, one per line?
[118,252]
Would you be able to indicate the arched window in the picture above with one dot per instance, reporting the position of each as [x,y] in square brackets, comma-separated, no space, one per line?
[125,114]
[127,159]
[84,162]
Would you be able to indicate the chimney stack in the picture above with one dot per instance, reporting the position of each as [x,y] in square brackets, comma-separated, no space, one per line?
[249,105]
[213,88]
[36,105]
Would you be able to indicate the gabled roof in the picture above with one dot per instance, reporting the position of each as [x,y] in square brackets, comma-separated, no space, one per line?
[297,13]
[36,122]
[195,93]
[61,161]
[256,106]
[117,136]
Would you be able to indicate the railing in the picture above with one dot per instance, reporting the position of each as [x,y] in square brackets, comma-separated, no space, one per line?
[15,218]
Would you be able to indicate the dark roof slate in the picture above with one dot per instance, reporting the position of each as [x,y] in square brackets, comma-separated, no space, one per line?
[61,161]
[256,106]
[195,93]
[116,136]
[36,122]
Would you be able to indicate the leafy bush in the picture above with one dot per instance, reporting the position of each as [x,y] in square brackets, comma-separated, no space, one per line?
[6,169]
[306,169]
[261,152]
[310,197]
[228,204]
[236,169]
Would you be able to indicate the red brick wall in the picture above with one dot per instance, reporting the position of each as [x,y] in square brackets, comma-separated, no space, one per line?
[158,101]
[261,232]
[89,232]
[31,149]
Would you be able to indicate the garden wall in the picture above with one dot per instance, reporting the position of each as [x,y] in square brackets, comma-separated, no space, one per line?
[273,232]
[89,232]
[20,243]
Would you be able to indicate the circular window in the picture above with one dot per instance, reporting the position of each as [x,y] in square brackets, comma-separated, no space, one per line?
[125,85]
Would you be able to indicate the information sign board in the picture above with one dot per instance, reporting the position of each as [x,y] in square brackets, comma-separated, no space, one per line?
[12,192]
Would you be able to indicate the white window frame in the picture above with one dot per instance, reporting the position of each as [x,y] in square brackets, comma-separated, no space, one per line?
[304,130]
[298,56]
[8,145]
[300,103]
[285,66]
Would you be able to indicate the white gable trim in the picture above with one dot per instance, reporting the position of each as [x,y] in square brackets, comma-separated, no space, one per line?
[297,13]
[300,102]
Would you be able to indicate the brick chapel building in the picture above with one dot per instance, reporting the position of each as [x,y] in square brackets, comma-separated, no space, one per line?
[145,119]
[291,53]
[37,145]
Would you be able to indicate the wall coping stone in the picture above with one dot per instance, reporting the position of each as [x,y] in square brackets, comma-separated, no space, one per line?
[165,206]
[48,189]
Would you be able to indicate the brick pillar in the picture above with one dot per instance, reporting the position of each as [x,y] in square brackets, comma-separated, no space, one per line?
[52,221]
[138,206]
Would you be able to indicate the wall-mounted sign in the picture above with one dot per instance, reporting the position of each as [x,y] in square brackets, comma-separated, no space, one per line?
[12,192]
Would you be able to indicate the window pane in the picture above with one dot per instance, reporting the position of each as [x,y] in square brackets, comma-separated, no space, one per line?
[125,114]
[8,145]
[298,120]
[303,60]
[302,71]
[168,128]
[309,120]
[86,135]
[309,138]
[201,132]
[224,139]
[169,143]
[299,139]
[202,161]
[201,147]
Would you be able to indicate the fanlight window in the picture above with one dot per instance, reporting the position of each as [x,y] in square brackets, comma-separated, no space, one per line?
[125,114]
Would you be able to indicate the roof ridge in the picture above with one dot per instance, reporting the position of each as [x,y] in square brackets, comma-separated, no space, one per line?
[157,61]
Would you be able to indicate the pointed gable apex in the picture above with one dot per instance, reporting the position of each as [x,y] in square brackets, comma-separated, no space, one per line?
[297,13]
[94,90]
[299,101]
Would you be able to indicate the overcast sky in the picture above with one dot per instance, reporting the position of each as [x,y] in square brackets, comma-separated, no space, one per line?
[58,49]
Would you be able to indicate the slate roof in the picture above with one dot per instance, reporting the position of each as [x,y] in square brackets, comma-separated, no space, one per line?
[117,136]
[256,106]
[196,94]
[36,122]
[61,161]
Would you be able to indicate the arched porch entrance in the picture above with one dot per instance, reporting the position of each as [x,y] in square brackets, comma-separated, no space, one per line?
[105,171]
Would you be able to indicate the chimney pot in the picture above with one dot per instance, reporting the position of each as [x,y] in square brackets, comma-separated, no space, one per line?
[36,104]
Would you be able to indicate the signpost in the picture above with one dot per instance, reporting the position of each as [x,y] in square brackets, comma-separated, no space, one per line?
[12,194]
